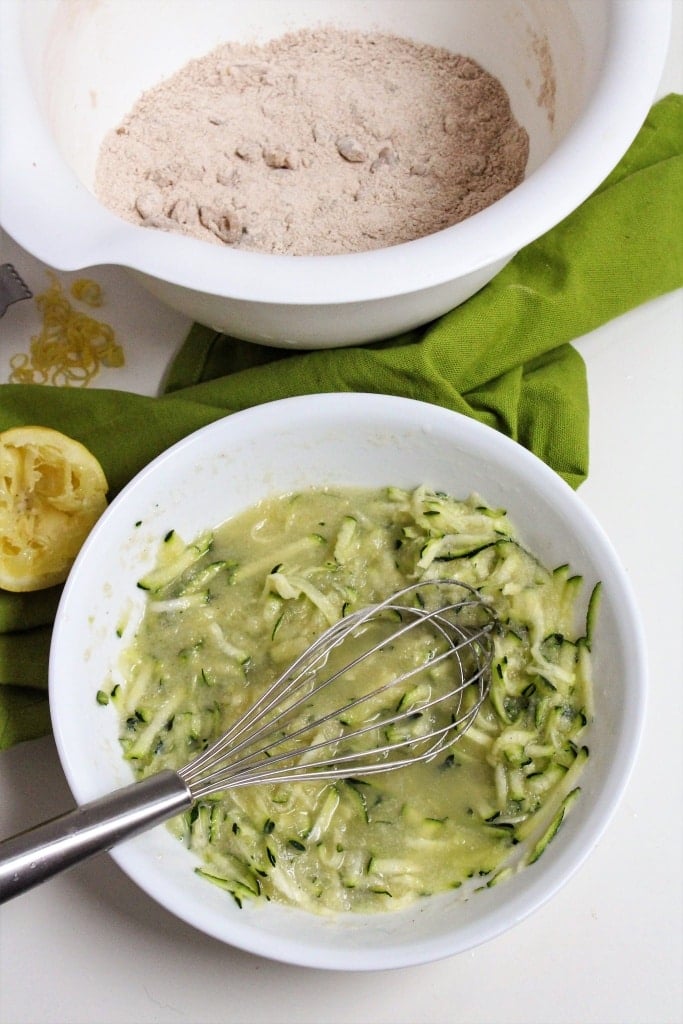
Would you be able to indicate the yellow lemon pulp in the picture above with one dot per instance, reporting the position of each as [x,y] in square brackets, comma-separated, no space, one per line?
[52,491]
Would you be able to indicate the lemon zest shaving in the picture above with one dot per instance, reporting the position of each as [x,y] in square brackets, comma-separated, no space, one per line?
[88,291]
[72,346]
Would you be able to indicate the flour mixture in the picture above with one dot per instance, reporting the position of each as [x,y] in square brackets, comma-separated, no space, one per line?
[319,142]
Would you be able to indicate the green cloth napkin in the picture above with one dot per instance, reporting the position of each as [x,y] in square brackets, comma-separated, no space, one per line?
[503,357]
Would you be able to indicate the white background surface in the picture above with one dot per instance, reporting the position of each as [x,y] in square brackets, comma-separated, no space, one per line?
[89,947]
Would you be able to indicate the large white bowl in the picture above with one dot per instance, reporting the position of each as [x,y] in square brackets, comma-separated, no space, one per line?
[365,440]
[71,70]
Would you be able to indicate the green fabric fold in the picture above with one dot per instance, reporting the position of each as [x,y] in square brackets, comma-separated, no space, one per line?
[24,658]
[503,357]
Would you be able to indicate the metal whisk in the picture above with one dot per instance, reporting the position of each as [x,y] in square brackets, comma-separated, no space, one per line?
[342,709]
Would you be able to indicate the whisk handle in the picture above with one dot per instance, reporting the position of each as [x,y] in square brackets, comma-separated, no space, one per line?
[48,849]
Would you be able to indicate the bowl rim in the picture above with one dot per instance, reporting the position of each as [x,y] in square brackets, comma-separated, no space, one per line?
[636,47]
[306,411]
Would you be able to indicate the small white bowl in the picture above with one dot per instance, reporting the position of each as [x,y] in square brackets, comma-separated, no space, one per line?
[365,440]
[580,76]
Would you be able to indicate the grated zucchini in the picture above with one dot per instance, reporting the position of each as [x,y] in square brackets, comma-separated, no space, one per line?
[225,612]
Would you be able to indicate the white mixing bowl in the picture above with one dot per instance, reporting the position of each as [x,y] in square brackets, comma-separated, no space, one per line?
[580,75]
[365,440]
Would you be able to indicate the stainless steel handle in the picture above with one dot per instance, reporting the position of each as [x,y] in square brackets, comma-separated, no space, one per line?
[41,852]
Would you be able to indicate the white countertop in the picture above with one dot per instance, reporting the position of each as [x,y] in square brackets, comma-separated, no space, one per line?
[608,949]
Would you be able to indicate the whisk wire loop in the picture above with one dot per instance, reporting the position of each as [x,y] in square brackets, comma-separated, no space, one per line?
[285,685]
[262,745]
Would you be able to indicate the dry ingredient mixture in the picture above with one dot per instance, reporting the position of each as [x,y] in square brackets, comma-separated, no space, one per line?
[320,142]
[71,346]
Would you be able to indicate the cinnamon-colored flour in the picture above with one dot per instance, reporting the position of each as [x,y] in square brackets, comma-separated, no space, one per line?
[319,142]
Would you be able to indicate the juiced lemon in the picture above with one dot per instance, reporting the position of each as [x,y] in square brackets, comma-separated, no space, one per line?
[52,491]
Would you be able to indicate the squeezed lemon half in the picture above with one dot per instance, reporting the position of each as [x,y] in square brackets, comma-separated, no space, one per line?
[52,491]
